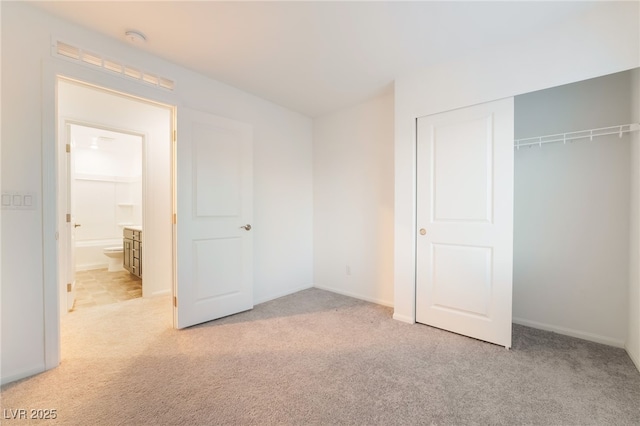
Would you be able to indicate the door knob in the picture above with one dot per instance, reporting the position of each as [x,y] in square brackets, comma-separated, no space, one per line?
[246,227]
[423,231]
[75,225]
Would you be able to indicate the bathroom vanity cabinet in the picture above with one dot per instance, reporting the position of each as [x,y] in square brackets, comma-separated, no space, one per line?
[132,244]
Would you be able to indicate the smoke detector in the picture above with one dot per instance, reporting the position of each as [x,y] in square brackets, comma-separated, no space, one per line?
[135,37]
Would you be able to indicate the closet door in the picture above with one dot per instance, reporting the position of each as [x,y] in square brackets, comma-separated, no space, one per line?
[465,221]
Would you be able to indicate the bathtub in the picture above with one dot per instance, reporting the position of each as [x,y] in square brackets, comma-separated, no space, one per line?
[90,254]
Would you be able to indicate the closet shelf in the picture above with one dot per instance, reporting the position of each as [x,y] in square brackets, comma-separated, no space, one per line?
[581,134]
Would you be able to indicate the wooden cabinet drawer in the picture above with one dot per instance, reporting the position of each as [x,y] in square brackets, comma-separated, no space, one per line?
[137,270]
[132,251]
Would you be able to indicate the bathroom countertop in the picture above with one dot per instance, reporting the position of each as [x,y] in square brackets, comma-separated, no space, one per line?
[134,227]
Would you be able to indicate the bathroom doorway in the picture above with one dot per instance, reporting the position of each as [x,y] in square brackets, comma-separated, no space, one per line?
[116,176]
[105,202]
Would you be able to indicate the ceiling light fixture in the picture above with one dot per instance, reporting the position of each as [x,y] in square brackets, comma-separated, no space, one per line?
[135,37]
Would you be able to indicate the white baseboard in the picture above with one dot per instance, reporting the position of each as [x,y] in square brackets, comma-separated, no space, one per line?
[160,293]
[92,266]
[281,294]
[357,296]
[403,318]
[571,332]
[21,375]
[634,357]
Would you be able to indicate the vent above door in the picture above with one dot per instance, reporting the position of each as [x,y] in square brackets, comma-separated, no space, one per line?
[97,61]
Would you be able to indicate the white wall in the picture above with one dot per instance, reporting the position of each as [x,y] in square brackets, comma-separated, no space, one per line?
[283,202]
[633,332]
[104,205]
[604,40]
[353,201]
[99,211]
[571,213]
[114,153]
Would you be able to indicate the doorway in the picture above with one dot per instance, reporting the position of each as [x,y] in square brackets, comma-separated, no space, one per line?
[197,297]
[105,200]
[118,199]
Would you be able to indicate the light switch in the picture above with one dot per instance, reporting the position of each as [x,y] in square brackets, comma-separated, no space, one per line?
[19,200]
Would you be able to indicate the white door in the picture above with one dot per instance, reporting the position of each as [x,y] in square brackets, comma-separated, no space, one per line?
[214,213]
[465,221]
[71,224]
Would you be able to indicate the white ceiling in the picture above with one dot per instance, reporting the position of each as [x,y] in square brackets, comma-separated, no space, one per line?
[315,57]
[106,140]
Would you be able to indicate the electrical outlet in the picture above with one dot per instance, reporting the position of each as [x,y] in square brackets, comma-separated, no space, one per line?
[348,270]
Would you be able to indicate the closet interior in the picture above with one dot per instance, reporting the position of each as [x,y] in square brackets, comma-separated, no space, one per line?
[572,208]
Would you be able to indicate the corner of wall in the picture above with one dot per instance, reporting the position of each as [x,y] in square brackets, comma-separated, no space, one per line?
[353,200]
[633,329]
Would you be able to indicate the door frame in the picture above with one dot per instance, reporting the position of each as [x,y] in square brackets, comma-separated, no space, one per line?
[63,137]
[51,70]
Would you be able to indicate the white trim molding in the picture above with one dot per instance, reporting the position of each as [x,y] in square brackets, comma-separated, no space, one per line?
[571,332]
[356,296]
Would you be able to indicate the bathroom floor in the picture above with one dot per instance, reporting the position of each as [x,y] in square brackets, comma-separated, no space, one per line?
[101,287]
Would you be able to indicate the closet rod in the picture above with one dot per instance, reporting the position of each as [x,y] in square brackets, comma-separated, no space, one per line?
[582,134]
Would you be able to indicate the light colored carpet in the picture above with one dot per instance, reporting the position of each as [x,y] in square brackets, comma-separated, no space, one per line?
[318,358]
